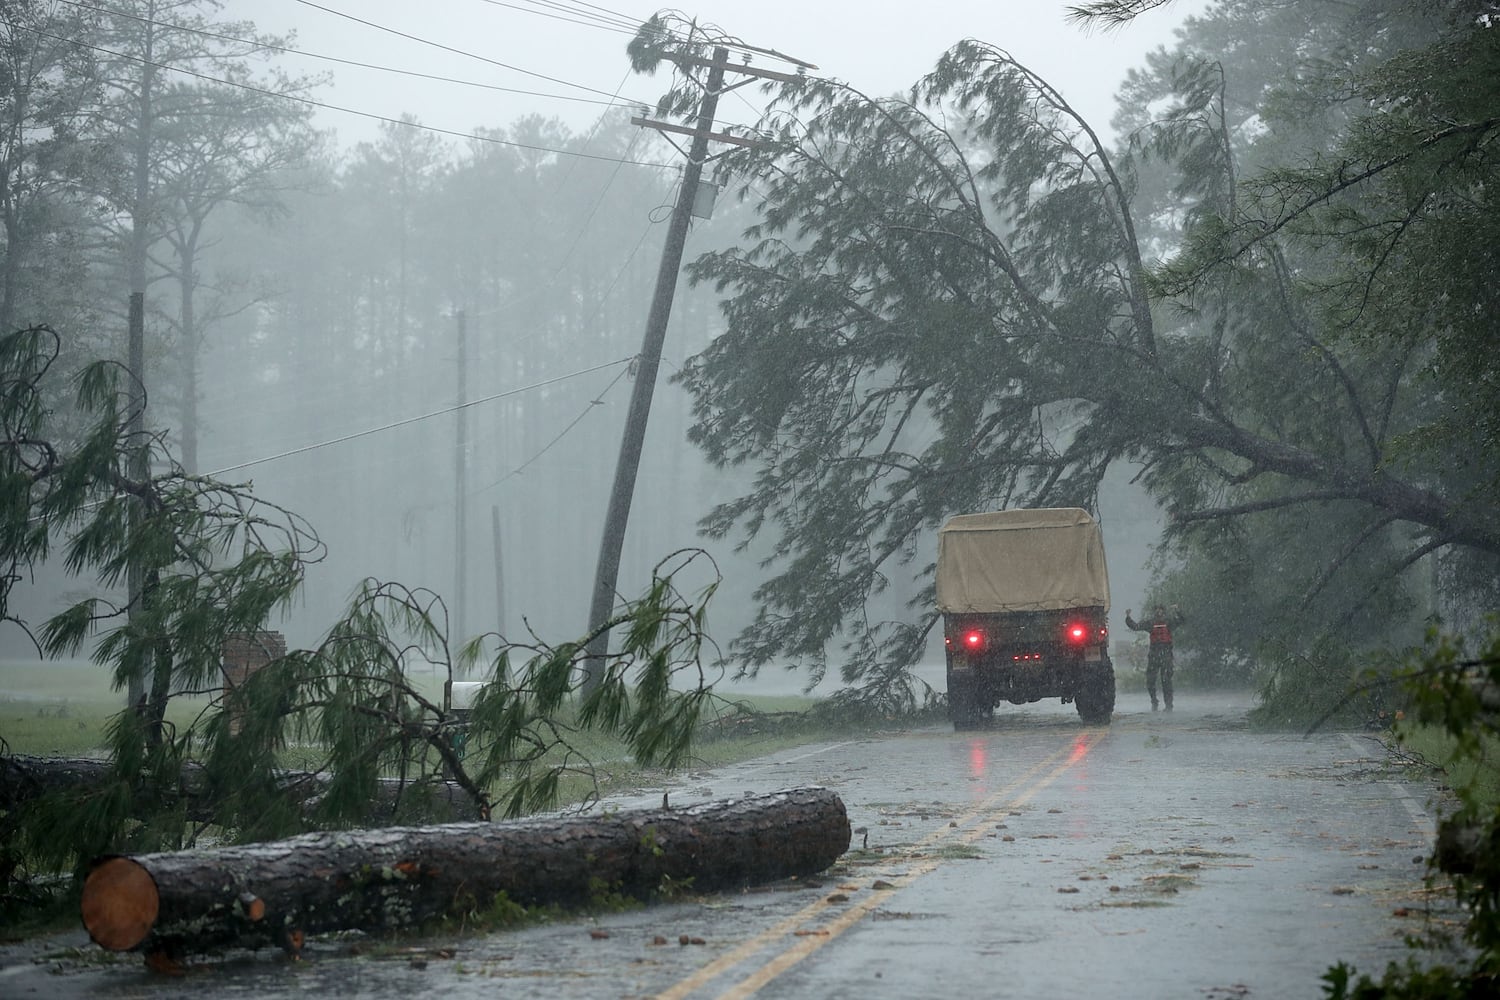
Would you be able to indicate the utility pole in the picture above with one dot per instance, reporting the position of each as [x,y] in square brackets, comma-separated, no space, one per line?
[461,482]
[618,515]
[499,570]
[139,462]
[649,359]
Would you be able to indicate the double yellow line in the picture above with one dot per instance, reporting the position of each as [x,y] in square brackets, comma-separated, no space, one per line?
[914,863]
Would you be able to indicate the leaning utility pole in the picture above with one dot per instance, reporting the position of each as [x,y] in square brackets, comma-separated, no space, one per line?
[656,330]
[645,380]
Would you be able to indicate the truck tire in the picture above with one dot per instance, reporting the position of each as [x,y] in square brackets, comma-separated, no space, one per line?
[1096,698]
[963,705]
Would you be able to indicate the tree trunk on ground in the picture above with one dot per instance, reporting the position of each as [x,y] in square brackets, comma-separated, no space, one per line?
[376,880]
[24,778]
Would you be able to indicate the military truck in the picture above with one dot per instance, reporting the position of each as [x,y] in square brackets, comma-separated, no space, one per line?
[1024,596]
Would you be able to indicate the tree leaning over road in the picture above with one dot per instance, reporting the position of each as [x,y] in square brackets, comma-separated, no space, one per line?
[951,303]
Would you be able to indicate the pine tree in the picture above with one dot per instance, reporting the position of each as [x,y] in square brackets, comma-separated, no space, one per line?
[224,563]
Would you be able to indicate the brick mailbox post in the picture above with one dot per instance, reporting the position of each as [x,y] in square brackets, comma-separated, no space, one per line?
[242,654]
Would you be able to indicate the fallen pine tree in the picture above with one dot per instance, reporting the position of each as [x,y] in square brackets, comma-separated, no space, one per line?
[171,904]
[25,779]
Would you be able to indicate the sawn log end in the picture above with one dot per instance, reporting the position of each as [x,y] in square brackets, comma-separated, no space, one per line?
[120,903]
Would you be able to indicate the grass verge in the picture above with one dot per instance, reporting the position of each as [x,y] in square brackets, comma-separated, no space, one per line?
[62,709]
[1482,773]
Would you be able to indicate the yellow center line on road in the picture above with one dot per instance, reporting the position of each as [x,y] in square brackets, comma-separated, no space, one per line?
[914,867]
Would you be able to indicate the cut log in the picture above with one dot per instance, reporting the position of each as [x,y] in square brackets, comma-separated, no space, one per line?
[24,778]
[172,904]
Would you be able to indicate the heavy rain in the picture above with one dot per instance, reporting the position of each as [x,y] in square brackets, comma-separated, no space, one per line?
[791,500]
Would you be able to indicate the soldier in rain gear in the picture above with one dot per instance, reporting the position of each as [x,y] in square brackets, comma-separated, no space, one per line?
[1159,658]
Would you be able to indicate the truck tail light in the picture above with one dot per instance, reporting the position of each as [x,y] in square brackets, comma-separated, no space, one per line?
[971,641]
[1080,633]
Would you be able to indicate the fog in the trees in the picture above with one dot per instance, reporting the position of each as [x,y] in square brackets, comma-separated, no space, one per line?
[390,326]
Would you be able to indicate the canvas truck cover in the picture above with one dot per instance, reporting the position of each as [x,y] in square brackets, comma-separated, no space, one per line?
[1021,560]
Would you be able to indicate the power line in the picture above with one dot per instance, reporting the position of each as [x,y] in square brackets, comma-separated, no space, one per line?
[405,123]
[650,224]
[273,47]
[434,374]
[616,23]
[561,434]
[412,420]
[631,24]
[620,15]
[593,210]
[597,309]
[449,48]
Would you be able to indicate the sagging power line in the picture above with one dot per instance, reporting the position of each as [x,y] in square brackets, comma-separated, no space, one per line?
[403,122]
[266,46]
[417,419]
[448,48]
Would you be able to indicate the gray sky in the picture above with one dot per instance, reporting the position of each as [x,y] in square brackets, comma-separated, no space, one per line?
[878,46]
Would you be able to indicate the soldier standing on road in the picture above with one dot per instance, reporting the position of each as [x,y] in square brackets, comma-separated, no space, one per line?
[1159,657]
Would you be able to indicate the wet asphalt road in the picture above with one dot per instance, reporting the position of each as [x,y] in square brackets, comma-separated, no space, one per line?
[1164,856]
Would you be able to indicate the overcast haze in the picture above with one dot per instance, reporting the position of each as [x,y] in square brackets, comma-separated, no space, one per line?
[877,46]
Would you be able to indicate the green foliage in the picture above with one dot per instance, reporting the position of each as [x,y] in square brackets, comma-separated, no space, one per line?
[670,889]
[374,744]
[650,694]
[1324,682]
[1457,692]
[607,897]
[1461,693]
[946,305]
[501,912]
[1408,981]
[879,323]
[1375,164]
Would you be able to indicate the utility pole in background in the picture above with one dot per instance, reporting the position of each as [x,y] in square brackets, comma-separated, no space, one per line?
[649,359]
[460,484]
[139,462]
[499,570]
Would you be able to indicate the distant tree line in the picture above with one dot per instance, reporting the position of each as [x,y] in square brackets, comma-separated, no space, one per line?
[298,293]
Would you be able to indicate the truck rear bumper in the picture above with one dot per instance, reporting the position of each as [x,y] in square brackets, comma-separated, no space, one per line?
[1022,677]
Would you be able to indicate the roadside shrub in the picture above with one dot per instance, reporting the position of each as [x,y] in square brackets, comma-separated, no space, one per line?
[1458,692]
[1326,684]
